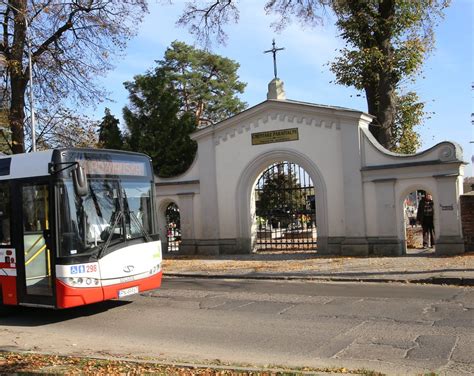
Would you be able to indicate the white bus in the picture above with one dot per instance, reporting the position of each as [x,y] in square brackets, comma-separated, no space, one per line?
[77,226]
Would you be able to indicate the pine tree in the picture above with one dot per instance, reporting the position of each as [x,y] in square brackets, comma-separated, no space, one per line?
[157,127]
[206,83]
[110,136]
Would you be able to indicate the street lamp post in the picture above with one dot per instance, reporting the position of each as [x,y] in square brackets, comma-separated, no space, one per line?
[30,74]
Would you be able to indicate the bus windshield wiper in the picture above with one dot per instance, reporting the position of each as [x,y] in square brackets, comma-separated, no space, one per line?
[109,238]
[140,226]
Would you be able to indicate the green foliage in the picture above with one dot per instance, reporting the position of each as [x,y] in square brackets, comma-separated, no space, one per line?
[206,83]
[387,36]
[156,125]
[280,194]
[386,43]
[409,114]
[110,136]
[189,88]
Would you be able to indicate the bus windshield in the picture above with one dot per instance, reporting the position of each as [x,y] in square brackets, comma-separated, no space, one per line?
[114,210]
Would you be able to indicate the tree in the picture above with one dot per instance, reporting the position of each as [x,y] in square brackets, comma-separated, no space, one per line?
[71,44]
[110,136]
[189,88]
[409,113]
[206,83]
[280,195]
[64,128]
[386,44]
[157,126]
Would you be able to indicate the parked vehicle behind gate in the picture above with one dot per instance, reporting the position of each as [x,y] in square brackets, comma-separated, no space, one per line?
[77,226]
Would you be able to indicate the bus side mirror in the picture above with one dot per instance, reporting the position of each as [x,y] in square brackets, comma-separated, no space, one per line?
[80,181]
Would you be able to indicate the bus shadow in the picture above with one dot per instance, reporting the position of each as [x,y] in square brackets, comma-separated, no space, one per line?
[32,316]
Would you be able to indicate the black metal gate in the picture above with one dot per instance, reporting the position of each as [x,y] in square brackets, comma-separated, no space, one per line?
[285,209]
[173,227]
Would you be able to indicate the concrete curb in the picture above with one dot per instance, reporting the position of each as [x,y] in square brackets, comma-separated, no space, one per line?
[435,280]
[202,365]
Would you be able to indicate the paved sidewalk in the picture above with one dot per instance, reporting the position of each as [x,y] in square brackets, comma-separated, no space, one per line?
[419,266]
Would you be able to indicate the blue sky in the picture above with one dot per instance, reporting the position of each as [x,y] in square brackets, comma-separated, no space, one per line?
[446,87]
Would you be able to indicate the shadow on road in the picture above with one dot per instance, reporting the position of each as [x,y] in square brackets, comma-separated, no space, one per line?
[28,316]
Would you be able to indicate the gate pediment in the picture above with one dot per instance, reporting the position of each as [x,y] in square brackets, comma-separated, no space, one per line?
[272,114]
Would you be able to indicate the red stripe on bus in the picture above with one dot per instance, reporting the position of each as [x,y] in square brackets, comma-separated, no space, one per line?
[8,288]
[68,297]
[7,265]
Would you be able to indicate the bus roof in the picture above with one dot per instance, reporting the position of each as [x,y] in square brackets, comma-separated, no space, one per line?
[27,165]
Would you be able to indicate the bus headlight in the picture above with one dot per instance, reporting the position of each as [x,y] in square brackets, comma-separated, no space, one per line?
[80,281]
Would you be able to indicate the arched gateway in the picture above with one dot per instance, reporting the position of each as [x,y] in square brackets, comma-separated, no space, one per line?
[360,185]
[284,208]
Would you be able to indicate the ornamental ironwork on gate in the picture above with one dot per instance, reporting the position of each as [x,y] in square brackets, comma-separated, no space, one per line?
[285,209]
[173,228]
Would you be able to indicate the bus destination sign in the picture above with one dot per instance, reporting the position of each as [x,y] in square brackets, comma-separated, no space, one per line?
[270,137]
[101,167]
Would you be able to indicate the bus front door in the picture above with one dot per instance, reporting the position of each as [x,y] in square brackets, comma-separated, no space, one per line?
[36,283]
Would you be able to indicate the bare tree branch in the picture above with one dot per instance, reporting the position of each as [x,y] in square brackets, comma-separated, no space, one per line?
[209,19]
[72,43]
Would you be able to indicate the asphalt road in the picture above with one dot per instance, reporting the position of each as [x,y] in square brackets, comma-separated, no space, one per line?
[392,328]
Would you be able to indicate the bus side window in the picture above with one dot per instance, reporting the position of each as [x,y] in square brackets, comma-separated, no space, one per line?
[35,208]
[5,238]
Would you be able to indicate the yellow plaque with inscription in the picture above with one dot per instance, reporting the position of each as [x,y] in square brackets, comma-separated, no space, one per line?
[270,137]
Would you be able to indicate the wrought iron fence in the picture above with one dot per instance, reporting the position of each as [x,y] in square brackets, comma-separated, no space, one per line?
[285,205]
[173,228]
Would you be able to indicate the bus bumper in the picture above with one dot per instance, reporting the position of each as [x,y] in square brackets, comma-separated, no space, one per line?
[8,290]
[68,297]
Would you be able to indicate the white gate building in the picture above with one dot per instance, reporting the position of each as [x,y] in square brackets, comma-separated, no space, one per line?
[360,187]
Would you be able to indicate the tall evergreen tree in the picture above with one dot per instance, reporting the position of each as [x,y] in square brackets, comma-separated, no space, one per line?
[206,83]
[157,126]
[188,89]
[110,136]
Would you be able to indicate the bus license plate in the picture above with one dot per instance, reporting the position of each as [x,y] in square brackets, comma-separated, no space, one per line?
[127,292]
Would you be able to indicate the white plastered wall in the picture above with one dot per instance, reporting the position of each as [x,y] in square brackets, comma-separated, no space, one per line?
[183,191]
[437,170]
[349,169]
[319,148]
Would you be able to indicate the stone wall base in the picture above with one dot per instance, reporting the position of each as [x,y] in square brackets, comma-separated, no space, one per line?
[449,246]
[330,246]
[341,246]
[358,247]
[386,246]
[187,247]
[212,247]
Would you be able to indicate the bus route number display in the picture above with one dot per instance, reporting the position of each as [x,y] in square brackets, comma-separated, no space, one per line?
[97,167]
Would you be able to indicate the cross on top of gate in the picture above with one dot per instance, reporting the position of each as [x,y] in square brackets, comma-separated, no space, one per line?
[274,50]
